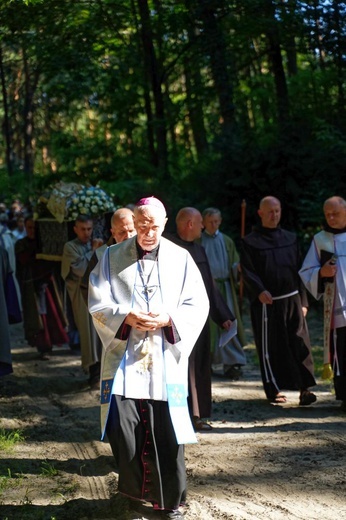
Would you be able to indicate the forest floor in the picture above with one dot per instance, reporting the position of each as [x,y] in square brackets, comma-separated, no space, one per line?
[260,461]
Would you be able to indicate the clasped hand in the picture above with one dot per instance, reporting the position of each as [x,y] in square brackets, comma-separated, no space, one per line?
[146,321]
[328,270]
[265,297]
[227,324]
[96,243]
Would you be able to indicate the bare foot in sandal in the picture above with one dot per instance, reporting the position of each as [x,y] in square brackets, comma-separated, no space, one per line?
[278,399]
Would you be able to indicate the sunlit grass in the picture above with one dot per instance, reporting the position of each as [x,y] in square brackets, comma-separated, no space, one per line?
[8,439]
[5,480]
[48,470]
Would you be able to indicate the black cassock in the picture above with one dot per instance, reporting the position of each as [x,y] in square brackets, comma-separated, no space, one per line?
[200,357]
[270,260]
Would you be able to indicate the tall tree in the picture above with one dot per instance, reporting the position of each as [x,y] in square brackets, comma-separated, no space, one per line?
[6,125]
[153,72]
[210,13]
[276,60]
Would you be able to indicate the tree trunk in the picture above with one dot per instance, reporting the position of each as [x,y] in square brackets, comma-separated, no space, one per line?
[339,59]
[153,71]
[195,107]
[216,48]
[275,57]
[6,125]
[28,117]
[194,85]
[146,97]
[289,7]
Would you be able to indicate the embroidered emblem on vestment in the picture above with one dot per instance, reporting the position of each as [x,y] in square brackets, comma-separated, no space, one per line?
[106,388]
[143,356]
[101,318]
[176,395]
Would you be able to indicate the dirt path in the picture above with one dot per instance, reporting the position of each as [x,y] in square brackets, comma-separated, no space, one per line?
[260,461]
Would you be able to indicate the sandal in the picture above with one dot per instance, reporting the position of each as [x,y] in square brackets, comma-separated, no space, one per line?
[278,399]
[200,425]
[306,398]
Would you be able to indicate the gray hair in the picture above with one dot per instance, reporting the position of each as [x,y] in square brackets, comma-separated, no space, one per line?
[336,199]
[211,211]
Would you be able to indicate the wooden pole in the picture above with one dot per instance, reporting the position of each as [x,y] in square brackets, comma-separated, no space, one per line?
[243,212]
[242,234]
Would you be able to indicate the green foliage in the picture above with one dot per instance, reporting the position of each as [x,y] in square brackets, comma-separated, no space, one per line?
[184,101]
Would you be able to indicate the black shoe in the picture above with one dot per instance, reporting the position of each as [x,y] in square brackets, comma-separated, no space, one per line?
[306,398]
[200,425]
[95,370]
[233,372]
[343,406]
[94,382]
[44,355]
[75,346]
[172,515]
[94,376]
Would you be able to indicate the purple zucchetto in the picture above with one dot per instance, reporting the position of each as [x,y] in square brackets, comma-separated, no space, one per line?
[151,201]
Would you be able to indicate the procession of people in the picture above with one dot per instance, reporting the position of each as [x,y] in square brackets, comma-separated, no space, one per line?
[155,316]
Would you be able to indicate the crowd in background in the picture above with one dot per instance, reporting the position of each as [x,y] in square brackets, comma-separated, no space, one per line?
[52,295]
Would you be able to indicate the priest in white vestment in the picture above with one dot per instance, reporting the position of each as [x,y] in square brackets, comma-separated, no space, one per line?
[149,305]
[324,274]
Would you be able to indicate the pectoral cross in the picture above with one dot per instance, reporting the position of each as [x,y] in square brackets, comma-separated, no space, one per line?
[148,290]
[145,269]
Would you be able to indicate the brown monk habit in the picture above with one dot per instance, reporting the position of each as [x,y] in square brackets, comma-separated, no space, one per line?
[270,260]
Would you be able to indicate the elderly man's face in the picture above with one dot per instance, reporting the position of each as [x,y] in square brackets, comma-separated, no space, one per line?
[123,229]
[197,226]
[212,223]
[149,224]
[335,215]
[270,213]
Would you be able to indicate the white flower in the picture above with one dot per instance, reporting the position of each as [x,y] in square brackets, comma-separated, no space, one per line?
[89,200]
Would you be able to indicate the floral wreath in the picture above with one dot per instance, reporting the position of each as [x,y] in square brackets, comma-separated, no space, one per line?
[68,200]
